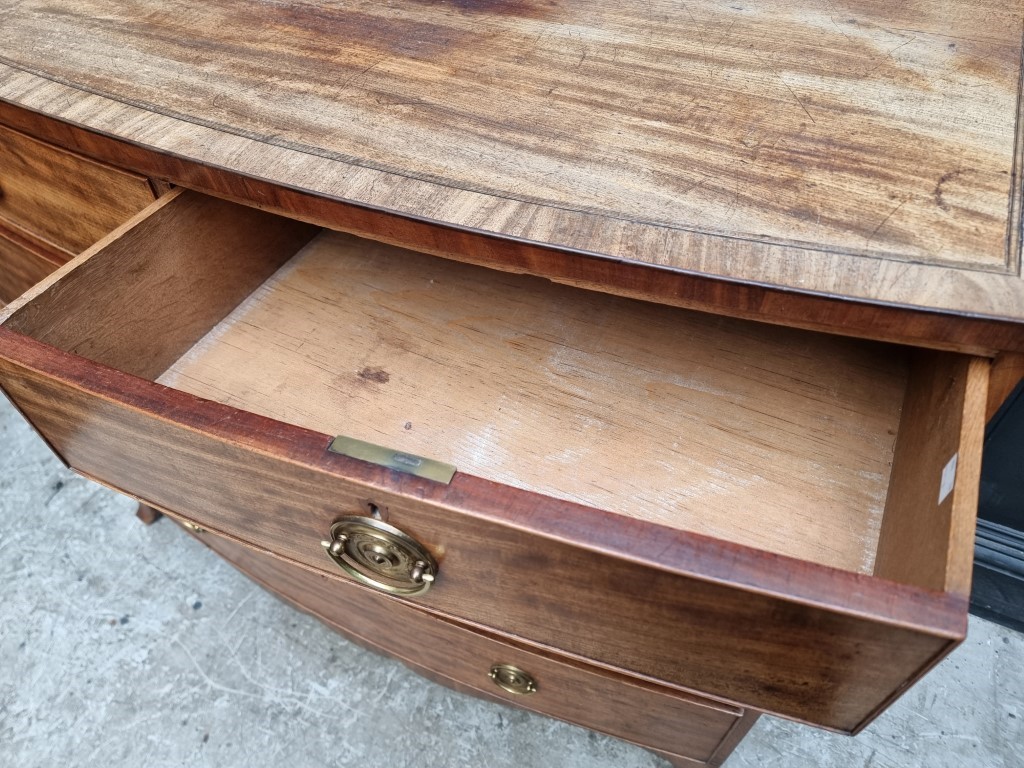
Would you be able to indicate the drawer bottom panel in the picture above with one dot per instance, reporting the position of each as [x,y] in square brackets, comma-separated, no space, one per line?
[685,729]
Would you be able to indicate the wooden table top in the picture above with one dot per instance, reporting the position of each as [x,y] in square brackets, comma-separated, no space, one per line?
[851,149]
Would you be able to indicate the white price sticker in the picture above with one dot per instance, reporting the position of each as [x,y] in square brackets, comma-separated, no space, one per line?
[948,478]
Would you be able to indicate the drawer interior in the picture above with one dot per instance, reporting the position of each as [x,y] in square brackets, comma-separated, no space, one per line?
[774,438]
[779,439]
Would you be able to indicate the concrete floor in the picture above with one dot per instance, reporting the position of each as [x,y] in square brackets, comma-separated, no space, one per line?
[122,645]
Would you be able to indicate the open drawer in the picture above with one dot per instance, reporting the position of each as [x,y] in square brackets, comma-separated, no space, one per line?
[778,518]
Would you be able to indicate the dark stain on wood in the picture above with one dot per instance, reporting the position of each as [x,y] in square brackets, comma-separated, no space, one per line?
[376,375]
[945,179]
[530,9]
[337,31]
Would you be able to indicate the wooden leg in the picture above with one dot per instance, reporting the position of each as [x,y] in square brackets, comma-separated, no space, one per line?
[148,515]
[676,761]
[734,737]
[729,743]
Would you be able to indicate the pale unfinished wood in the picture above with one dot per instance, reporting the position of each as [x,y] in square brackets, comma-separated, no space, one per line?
[774,438]
[928,528]
[144,294]
[68,200]
[865,151]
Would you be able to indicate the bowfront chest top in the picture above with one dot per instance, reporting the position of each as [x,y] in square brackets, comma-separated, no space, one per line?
[761,157]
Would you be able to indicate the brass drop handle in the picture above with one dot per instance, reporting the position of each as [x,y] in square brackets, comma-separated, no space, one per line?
[513,679]
[381,556]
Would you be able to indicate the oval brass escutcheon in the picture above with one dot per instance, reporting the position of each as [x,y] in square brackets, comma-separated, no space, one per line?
[513,679]
[381,556]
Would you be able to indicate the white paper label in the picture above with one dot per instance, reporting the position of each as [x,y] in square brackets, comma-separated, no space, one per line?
[948,478]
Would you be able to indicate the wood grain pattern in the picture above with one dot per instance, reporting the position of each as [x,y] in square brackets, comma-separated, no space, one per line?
[692,116]
[688,289]
[869,154]
[928,529]
[765,631]
[771,438]
[33,242]
[823,645]
[66,199]
[21,266]
[165,276]
[634,710]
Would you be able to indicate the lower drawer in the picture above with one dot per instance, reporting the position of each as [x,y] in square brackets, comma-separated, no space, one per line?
[21,267]
[669,722]
[65,199]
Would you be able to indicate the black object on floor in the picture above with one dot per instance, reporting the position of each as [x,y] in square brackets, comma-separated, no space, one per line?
[998,590]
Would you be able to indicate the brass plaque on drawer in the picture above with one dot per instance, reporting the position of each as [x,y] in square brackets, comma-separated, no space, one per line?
[392,459]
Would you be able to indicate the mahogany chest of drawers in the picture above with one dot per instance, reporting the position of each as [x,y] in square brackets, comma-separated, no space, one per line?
[640,407]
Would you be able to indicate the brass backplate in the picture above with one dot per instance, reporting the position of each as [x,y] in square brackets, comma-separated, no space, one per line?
[392,459]
[381,556]
[513,679]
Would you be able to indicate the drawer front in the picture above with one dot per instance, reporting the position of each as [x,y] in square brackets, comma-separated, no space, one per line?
[20,268]
[653,717]
[803,641]
[66,199]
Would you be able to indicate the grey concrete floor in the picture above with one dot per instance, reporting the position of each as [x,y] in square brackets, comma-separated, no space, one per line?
[122,645]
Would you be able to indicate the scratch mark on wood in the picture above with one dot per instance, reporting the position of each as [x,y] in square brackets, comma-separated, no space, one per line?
[700,35]
[788,86]
[882,223]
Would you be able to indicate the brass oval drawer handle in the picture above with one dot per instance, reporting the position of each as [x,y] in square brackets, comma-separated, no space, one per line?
[513,679]
[194,527]
[381,556]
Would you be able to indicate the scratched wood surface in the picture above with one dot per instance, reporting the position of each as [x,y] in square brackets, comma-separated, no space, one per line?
[860,149]
[774,438]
